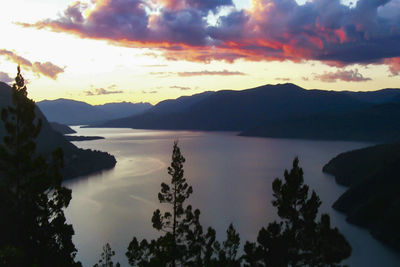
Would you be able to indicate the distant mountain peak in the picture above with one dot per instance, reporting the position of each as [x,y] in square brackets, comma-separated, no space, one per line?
[73,112]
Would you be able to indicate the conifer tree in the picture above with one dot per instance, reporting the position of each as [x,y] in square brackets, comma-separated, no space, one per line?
[297,239]
[33,227]
[106,257]
[183,242]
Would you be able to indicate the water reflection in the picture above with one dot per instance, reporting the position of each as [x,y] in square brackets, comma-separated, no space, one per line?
[231,177]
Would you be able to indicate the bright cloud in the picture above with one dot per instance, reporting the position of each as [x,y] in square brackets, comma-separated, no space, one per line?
[271,30]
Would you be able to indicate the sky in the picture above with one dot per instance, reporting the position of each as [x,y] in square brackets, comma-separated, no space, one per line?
[101,51]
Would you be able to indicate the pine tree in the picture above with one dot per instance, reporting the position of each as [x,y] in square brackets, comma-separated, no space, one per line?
[227,254]
[106,257]
[33,228]
[298,239]
[175,223]
[183,242]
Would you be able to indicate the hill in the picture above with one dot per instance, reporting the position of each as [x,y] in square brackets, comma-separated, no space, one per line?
[375,123]
[230,110]
[77,161]
[373,199]
[71,112]
[282,110]
[61,128]
[123,109]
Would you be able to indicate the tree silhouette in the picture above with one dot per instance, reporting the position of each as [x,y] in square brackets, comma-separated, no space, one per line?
[33,228]
[183,242]
[106,255]
[298,239]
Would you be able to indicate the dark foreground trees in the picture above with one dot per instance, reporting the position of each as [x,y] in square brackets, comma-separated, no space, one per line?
[106,257]
[298,239]
[183,242]
[33,229]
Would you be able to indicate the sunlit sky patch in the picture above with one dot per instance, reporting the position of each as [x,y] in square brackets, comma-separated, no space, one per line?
[183,49]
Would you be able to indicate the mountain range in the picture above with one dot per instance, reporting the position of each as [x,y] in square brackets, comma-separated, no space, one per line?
[77,162]
[71,112]
[282,110]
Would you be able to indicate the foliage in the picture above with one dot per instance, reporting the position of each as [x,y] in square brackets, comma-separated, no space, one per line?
[33,228]
[106,255]
[183,242]
[298,239]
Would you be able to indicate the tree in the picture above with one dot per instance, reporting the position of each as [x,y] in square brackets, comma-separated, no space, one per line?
[33,228]
[183,242]
[106,255]
[227,254]
[298,239]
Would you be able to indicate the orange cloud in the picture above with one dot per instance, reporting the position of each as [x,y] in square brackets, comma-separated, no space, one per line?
[323,30]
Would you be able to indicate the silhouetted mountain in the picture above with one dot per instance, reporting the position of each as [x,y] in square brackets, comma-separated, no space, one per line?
[73,112]
[171,106]
[373,199]
[61,128]
[377,123]
[238,110]
[123,109]
[77,161]
[377,97]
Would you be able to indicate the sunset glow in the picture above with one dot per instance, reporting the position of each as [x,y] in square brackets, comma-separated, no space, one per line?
[149,50]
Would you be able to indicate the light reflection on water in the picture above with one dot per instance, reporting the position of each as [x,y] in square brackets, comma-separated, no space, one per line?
[231,177]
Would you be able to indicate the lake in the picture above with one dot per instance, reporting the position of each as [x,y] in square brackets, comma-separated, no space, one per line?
[231,178]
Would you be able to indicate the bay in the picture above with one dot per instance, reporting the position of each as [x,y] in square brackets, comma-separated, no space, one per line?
[231,177]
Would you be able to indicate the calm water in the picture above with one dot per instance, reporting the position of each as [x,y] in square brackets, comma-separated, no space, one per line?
[231,177]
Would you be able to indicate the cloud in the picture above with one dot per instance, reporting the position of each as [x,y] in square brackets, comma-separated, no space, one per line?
[163,74]
[149,92]
[4,77]
[284,79]
[271,30]
[15,58]
[155,66]
[343,75]
[206,72]
[394,65]
[47,69]
[183,88]
[102,91]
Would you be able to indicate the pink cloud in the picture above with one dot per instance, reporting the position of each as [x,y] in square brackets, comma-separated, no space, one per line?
[394,65]
[342,75]
[272,30]
[15,58]
[47,69]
